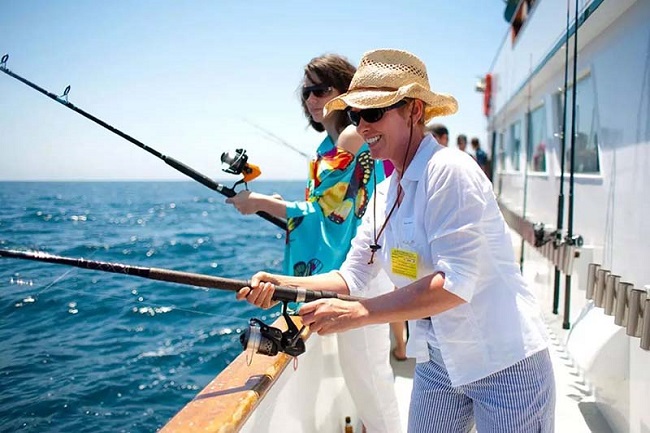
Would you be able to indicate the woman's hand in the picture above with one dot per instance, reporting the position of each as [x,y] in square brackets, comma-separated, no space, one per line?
[261,291]
[327,316]
[246,202]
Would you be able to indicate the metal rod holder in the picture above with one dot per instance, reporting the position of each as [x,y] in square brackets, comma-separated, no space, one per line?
[610,291]
[645,329]
[622,296]
[636,302]
[599,292]
[591,279]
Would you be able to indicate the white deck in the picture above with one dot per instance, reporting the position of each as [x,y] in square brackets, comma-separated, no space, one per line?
[575,410]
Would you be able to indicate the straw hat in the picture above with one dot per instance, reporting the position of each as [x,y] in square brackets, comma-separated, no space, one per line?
[387,76]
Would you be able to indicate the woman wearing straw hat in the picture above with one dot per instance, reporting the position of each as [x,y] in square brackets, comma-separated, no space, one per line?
[321,227]
[476,331]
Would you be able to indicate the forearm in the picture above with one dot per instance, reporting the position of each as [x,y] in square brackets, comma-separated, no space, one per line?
[271,205]
[331,281]
[423,298]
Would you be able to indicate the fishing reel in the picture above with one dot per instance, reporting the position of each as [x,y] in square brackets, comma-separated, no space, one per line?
[261,338]
[237,163]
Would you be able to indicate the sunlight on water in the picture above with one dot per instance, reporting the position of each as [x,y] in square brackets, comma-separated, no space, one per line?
[120,346]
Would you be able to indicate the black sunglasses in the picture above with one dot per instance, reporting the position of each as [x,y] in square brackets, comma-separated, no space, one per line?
[371,115]
[319,90]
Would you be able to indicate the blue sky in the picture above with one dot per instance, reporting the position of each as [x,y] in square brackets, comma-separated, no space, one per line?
[185,77]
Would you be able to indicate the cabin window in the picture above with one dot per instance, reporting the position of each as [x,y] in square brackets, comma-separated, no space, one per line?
[536,150]
[514,148]
[586,128]
[501,150]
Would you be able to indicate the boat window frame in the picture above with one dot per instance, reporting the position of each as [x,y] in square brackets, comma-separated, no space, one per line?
[510,159]
[594,133]
[543,131]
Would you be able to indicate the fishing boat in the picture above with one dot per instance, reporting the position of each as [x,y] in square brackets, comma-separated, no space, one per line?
[567,101]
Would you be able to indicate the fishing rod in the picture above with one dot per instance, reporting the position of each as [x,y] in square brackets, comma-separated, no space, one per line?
[277,139]
[566,323]
[181,167]
[527,161]
[560,198]
[288,294]
[259,338]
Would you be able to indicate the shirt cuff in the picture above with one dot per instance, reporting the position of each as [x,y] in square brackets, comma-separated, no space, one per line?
[456,283]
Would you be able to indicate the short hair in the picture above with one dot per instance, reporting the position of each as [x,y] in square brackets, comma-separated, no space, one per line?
[439,129]
[462,137]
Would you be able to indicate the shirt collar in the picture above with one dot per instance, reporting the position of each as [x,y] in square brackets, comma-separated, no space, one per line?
[426,149]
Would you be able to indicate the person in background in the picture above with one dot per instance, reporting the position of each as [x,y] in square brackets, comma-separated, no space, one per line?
[481,157]
[436,229]
[342,178]
[461,142]
[440,133]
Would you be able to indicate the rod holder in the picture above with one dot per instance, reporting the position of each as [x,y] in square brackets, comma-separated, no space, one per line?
[610,292]
[622,301]
[599,292]
[636,302]
[645,329]
[591,279]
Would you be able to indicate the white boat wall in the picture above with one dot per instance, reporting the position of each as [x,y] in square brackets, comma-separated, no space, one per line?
[604,272]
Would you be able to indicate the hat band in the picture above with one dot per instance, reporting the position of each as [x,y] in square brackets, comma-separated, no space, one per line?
[381,89]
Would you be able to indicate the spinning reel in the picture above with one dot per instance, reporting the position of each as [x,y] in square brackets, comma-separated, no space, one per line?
[542,237]
[237,163]
[261,338]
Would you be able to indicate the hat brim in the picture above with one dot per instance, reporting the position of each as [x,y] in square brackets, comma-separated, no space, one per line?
[437,104]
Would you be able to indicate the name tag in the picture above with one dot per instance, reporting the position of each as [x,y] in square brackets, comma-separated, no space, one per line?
[404,263]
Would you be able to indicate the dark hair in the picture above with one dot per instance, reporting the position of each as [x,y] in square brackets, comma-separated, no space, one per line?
[462,137]
[335,71]
[475,142]
[439,130]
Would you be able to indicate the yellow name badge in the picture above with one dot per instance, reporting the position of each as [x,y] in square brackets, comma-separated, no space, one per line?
[404,263]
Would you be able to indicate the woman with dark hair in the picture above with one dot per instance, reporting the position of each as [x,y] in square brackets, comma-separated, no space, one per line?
[342,178]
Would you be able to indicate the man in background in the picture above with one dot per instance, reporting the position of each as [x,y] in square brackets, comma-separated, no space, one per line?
[441,133]
[481,157]
[461,142]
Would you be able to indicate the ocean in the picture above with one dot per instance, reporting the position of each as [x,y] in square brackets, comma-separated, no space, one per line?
[88,351]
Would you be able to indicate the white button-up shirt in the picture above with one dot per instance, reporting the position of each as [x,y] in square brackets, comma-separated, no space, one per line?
[449,217]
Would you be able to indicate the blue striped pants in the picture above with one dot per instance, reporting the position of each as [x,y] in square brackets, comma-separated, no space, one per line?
[520,398]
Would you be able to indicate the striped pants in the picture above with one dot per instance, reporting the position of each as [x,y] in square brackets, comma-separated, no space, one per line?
[520,399]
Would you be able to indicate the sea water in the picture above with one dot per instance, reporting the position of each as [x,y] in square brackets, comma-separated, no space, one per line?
[88,351]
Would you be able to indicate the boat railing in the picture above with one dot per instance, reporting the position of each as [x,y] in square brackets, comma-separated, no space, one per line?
[630,306]
[226,403]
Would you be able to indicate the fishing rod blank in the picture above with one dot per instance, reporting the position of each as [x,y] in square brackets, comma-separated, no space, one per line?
[187,278]
[185,169]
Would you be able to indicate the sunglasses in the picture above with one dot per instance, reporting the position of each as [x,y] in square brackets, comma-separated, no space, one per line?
[319,90]
[371,115]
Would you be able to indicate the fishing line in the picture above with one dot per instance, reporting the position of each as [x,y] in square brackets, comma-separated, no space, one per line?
[103,295]
[276,138]
[172,307]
